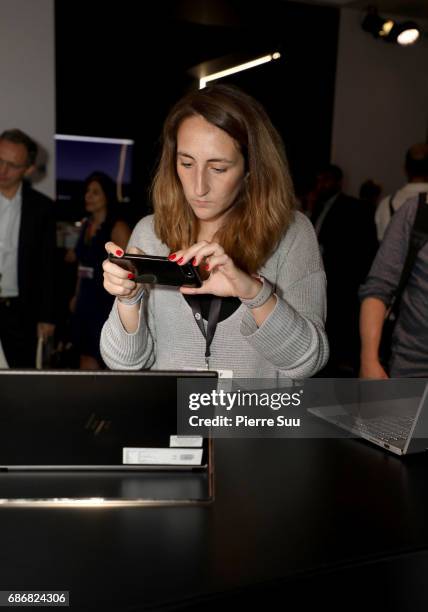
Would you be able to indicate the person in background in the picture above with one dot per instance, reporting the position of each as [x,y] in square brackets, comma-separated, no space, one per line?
[347,236]
[224,201]
[91,304]
[370,191]
[307,197]
[416,169]
[409,345]
[27,253]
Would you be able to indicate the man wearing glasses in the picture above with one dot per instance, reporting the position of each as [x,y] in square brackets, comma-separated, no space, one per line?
[27,251]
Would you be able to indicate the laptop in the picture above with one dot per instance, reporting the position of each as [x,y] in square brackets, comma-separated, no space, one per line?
[397,424]
[104,420]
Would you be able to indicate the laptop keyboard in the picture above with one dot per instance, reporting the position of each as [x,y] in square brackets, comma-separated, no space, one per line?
[387,429]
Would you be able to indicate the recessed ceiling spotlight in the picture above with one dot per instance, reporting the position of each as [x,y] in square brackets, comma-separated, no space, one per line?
[406,33]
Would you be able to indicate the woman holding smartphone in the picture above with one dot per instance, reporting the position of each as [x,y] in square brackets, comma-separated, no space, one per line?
[223,201]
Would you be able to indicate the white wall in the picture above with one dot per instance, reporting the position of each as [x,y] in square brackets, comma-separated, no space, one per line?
[381,104]
[27,75]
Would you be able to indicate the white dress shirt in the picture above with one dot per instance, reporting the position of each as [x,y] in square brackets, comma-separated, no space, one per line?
[3,362]
[10,221]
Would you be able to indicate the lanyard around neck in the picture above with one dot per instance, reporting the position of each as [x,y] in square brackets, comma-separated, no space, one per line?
[213,316]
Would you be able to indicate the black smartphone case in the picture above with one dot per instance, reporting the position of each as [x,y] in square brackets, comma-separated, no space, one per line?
[153,269]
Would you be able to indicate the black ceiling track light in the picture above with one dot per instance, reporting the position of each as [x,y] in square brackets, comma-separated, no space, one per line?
[405,33]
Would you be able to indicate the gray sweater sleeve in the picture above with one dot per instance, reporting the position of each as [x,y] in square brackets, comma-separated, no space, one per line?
[386,269]
[293,336]
[119,349]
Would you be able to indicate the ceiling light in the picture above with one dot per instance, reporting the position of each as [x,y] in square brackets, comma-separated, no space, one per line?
[406,33]
[409,34]
[386,27]
[376,25]
[234,69]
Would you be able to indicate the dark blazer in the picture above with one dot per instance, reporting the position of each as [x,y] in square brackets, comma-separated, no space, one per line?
[36,255]
[348,241]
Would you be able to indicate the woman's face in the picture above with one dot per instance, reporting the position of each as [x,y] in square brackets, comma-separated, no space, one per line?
[95,199]
[211,169]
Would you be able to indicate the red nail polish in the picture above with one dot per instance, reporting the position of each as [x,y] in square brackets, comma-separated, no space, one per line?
[172,256]
[131,276]
[207,267]
[180,260]
[194,262]
[119,253]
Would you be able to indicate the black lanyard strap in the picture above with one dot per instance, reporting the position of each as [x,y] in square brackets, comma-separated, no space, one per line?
[213,317]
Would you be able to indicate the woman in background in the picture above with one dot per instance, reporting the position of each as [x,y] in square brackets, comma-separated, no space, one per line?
[91,304]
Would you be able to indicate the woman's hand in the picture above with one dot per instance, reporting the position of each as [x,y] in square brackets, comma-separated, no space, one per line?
[117,281]
[225,279]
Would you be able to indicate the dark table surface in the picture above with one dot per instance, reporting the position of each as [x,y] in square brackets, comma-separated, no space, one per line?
[302,520]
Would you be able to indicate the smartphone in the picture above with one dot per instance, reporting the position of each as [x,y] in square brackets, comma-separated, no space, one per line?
[158,270]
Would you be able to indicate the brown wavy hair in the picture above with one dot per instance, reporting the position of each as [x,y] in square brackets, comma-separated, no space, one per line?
[264,207]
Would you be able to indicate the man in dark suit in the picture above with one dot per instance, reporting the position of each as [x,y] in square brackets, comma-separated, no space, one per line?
[347,236]
[27,251]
